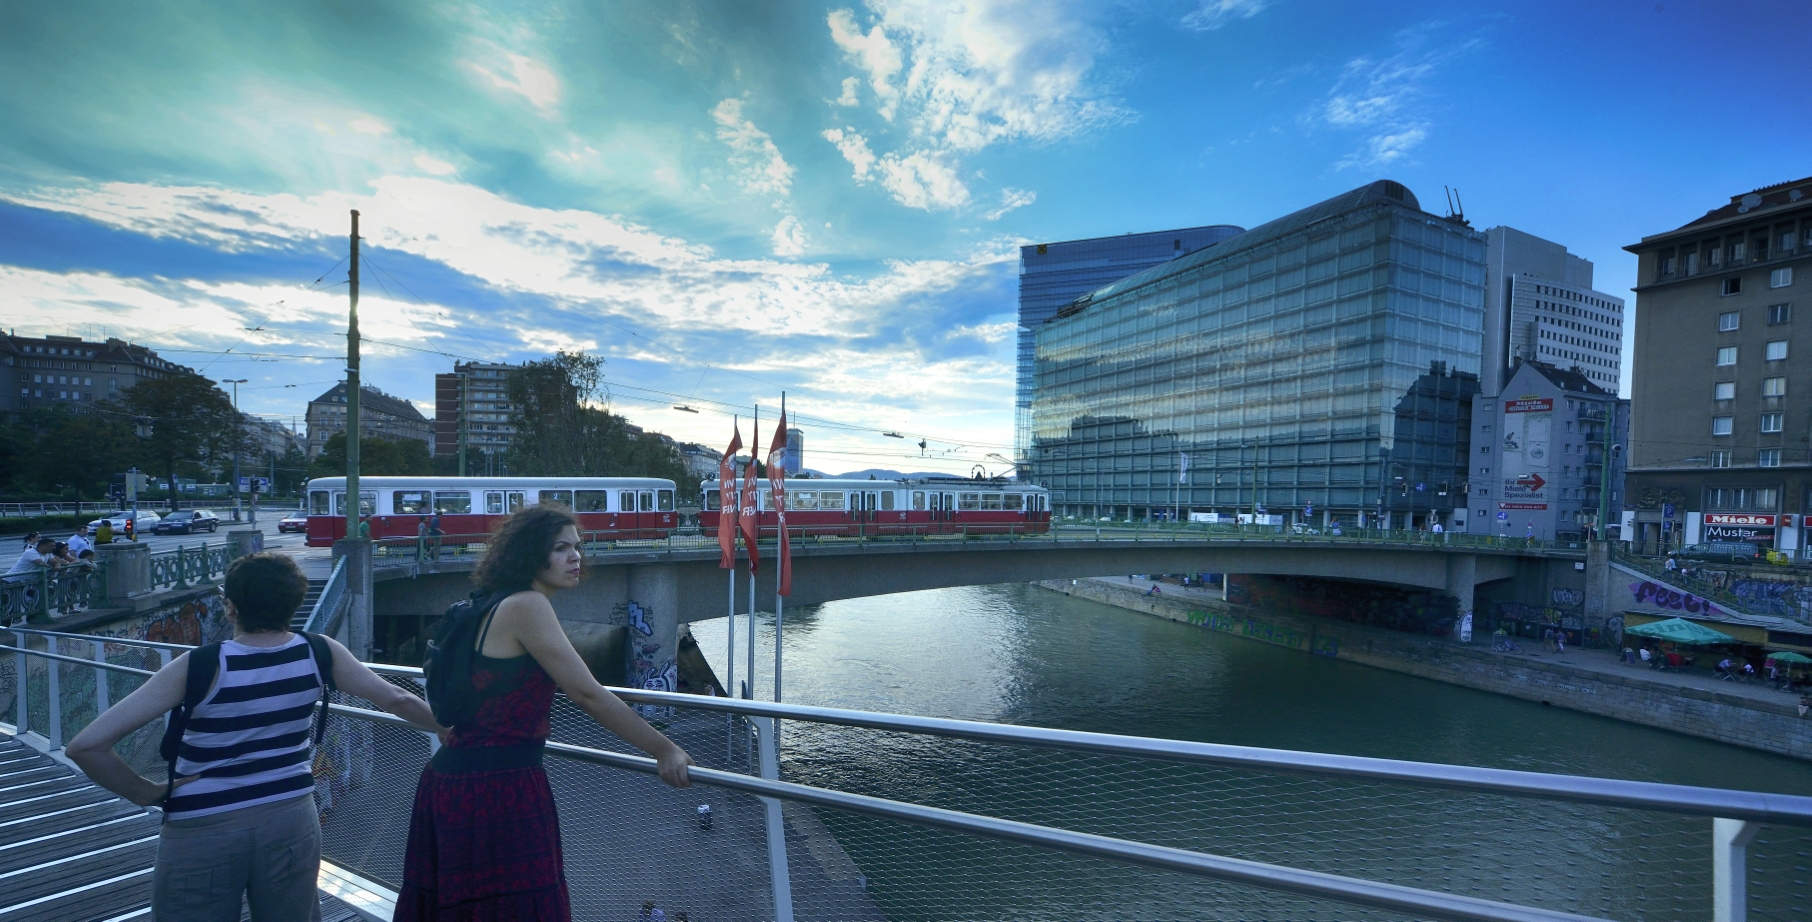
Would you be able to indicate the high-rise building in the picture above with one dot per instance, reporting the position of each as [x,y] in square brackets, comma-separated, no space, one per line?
[795,450]
[1540,307]
[486,408]
[71,372]
[1538,454]
[380,416]
[1719,440]
[1314,367]
[1052,275]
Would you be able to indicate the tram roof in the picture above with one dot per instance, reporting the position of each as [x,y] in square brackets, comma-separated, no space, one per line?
[953,484]
[392,482]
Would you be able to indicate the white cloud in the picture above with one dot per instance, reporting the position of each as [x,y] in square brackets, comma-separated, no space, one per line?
[1011,198]
[527,77]
[789,237]
[854,148]
[923,180]
[758,164]
[874,53]
[1387,99]
[368,125]
[848,97]
[1382,150]
[435,166]
[1213,14]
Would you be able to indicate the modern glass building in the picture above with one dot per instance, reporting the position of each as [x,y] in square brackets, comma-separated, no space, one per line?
[1320,366]
[1052,275]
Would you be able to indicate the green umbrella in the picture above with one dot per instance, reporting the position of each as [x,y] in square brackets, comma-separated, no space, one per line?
[1785,656]
[1680,630]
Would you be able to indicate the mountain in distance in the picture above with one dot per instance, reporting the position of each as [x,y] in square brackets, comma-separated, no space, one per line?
[885,474]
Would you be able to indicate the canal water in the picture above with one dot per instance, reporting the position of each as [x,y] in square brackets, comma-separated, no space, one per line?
[1023,655]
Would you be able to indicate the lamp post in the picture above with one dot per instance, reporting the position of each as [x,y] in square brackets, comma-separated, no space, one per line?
[1604,487]
[238,437]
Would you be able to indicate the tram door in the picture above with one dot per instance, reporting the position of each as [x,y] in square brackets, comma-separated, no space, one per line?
[871,503]
[949,514]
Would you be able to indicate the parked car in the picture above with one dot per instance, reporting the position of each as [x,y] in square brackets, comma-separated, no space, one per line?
[186,522]
[1725,552]
[295,521]
[1301,529]
[146,519]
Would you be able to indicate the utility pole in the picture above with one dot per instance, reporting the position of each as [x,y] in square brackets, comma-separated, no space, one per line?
[238,437]
[1604,485]
[352,390]
[1254,481]
[464,399]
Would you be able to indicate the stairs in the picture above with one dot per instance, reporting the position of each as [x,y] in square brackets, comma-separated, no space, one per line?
[300,619]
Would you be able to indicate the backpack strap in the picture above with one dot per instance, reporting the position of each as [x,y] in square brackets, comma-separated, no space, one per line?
[323,654]
[204,668]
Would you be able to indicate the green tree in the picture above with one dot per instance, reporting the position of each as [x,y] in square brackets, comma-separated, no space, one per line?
[378,456]
[561,432]
[194,429]
[75,453]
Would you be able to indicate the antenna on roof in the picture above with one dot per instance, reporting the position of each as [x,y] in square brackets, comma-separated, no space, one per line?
[1456,210]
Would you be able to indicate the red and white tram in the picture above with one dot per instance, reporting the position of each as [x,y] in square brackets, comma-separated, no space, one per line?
[862,508]
[607,507]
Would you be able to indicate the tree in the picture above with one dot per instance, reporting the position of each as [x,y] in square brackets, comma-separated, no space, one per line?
[193,425]
[378,457]
[75,454]
[561,433]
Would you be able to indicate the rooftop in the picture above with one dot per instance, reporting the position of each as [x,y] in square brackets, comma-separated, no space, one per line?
[1745,206]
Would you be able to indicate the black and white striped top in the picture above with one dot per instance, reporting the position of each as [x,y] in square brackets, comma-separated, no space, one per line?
[248,740]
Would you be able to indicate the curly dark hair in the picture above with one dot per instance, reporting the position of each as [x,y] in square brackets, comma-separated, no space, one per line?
[519,549]
[266,589]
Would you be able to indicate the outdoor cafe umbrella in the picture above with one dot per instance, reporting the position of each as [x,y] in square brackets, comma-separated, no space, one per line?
[1680,630]
[1787,656]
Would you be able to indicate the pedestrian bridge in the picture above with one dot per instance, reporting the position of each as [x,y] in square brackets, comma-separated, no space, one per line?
[969,820]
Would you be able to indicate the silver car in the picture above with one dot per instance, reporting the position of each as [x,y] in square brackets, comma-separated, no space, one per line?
[146,519]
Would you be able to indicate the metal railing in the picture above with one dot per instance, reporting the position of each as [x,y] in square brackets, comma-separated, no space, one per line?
[183,567]
[1761,590]
[330,606]
[36,596]
[993,820]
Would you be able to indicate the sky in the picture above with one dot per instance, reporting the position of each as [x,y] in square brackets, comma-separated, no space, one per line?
[730,200]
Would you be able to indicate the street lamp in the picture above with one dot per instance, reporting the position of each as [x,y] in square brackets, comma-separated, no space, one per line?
[238,436]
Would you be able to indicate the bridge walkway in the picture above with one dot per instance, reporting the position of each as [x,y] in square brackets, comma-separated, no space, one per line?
[72,852]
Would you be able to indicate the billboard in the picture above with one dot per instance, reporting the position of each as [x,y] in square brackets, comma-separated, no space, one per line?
[1528,429]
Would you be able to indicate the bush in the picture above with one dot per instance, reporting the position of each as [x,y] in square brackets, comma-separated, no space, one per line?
[58,524]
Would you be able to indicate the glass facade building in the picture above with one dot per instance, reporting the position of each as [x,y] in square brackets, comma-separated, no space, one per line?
[1052,275]
[1320,367]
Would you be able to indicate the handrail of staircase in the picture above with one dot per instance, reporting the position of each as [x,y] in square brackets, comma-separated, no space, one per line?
[331,605]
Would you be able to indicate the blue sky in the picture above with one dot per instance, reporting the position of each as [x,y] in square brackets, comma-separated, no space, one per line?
[726,200]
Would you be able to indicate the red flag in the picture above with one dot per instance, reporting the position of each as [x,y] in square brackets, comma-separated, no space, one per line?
[777,482]
[751,506]
[726,501]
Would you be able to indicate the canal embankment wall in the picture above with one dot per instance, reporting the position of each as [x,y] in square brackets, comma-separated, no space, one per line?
[1728,717]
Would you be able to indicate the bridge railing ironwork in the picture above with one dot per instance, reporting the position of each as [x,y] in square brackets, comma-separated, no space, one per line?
[1766,590]
[887,816]
[37,596]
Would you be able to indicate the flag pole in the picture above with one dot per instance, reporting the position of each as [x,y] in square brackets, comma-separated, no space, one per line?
[779,602]
[754,452]
[723,500]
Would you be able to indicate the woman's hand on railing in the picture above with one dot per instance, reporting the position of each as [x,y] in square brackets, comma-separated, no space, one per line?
[672,765]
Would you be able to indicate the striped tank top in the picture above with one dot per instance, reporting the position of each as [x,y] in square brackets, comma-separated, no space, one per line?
[248,740]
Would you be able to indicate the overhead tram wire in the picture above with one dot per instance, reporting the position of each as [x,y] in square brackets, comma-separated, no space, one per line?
[831,424]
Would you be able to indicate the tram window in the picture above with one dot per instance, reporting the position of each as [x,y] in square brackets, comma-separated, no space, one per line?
[767,499]
[711,501]
[514,498]
[802,499]
[990,500]
[317,503]
[918,500]
[458,502]
[493,502]
[830,500]
[968,501]
[409,502]
[887,500]
[626,501]
[1013,501]
[560,497]
[666,498]
[646,502]
[367,503]
[592,501]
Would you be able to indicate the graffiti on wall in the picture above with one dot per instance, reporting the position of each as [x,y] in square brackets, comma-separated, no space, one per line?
[1788,600]
[648,669]
[1567,598]
[1648,593]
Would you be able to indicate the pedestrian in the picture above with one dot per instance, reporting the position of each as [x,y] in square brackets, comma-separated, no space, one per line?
[1672,565]
[484,837]
[421,537]
[36,556]
[1437,527]
[79,542]
[1628,657]
[647,911]
[104,534]
[365,527]
[31,539]
[434,533]
[1646,656]
[1530,532]
[1560,640]
[239,813]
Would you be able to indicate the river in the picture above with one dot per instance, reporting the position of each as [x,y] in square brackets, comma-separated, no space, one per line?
[1022,655]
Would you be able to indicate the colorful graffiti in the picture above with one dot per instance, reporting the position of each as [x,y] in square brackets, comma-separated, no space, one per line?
[1774,597]
[646,669]
[1663,597]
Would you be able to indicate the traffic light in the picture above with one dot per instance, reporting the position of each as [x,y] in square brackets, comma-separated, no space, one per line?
[131,526]
[1443,488]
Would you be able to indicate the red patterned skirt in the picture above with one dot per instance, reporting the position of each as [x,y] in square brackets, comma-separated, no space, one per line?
[484,847]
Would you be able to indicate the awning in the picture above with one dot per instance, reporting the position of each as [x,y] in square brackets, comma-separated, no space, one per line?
[1788,656]
[1680,630]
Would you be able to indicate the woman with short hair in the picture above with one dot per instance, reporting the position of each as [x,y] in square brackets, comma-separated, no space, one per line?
[484,838]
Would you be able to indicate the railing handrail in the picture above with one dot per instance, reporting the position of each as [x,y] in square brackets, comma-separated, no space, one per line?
[327,604]
[155,644]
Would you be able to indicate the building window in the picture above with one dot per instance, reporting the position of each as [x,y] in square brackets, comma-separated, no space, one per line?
[1771,422]
[1779,314]
[1667,265]
[1724,390]
[1727,355]
[1720,457]
[1768,457]
[1774,387]
[1738,253]
[1780,278]
[1729,320]
[1733,286]
[1777,351]
[1720,425]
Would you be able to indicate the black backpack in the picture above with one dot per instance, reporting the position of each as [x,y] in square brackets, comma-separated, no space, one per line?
[452,652]
[204,668]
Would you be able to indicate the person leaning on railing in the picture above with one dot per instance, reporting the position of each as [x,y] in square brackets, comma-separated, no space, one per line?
[240,819]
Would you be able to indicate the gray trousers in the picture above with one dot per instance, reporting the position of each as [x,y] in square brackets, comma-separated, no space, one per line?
[268,855]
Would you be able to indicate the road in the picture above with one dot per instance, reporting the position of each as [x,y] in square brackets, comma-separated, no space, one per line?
[267,523]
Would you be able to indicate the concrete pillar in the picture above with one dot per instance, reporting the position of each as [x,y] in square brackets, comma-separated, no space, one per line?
[1462,576]
[1597,583]
[128,566]
[651,655]
[357,629]
[243,541]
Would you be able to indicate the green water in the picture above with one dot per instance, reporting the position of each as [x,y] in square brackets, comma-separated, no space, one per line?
[1023,655]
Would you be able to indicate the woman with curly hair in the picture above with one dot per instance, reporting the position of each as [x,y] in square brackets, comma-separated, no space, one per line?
[484,840]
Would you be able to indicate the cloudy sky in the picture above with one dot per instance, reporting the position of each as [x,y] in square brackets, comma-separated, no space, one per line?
[727,200]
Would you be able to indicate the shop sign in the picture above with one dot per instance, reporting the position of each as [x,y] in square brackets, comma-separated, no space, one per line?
[1754,521]
[1740,533]
[1536,506]
[1529,405]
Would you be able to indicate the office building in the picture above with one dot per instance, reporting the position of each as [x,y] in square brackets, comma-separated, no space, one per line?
[701,464]
[1052,275]
[1538,454]
[795,451]
[480,392]
[1540,307]
[268,437]
[1721,435]
[380,416]
[71,372]
[1302,367]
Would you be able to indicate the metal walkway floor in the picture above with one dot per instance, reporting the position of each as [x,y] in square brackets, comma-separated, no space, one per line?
[72,852]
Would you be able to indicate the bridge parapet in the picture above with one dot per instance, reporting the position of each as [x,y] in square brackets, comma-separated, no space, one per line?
[866,815]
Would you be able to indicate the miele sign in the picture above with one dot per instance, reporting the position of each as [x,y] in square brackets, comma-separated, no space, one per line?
[1753,521]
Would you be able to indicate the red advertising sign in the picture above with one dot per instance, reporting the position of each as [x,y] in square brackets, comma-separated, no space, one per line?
[1753,521]
[1522,505]
[1529,405]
